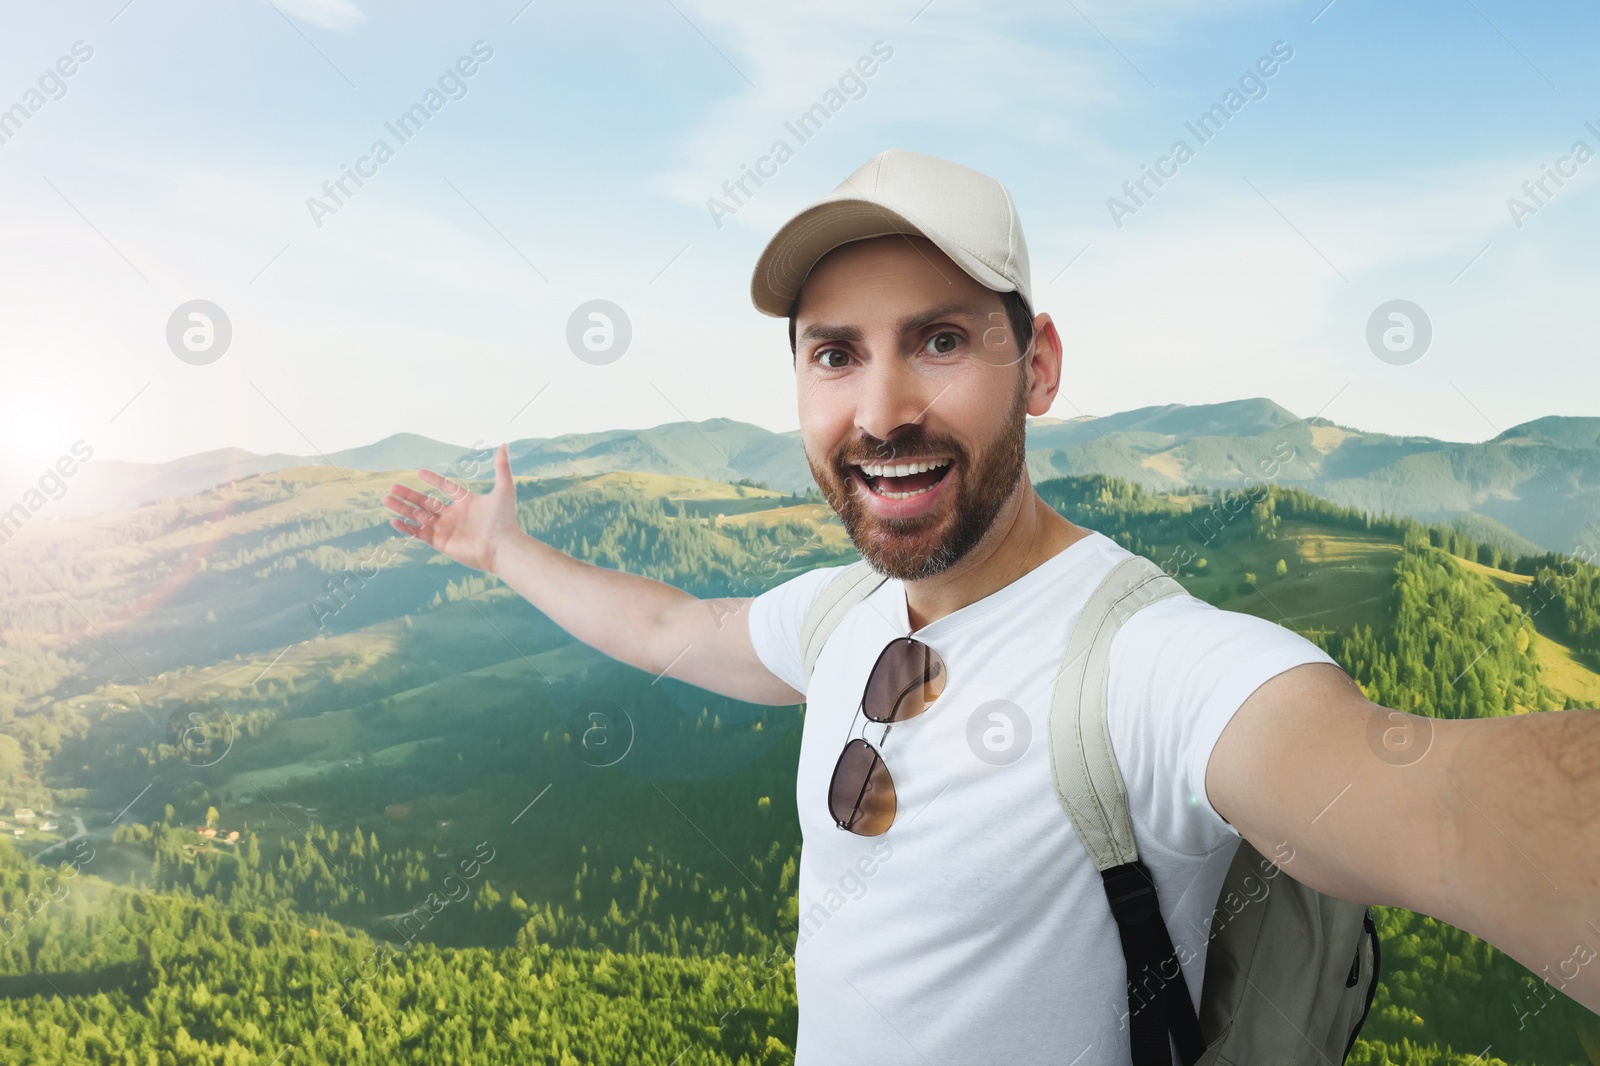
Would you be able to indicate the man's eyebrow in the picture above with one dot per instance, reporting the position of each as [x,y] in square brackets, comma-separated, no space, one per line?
[909,324]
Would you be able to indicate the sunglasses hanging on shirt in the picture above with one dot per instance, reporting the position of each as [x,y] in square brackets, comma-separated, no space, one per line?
[907,677]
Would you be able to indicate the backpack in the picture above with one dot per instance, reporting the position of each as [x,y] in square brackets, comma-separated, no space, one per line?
[1289,977]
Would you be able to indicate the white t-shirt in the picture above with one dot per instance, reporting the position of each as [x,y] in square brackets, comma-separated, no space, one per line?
[976,929]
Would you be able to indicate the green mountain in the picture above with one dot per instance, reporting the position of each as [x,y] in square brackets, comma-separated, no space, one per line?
[555,857]
[718,449]
[1534,487]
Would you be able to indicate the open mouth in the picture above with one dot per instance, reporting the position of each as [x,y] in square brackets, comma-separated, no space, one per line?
[902,481]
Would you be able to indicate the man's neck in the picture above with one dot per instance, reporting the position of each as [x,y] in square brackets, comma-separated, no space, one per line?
[1026,533]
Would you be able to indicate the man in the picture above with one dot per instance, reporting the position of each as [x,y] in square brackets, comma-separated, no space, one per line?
[962,921]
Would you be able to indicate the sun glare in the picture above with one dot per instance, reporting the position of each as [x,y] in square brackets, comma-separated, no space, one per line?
[33,437]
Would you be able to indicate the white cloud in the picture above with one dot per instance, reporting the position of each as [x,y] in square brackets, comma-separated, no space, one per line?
[794,59]
[329,14]
[1209,295]
[409,311]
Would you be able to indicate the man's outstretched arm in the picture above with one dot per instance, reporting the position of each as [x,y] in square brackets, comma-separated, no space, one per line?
[1491,825]
[645,623]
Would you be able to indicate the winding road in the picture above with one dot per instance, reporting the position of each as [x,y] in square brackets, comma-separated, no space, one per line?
[77,821]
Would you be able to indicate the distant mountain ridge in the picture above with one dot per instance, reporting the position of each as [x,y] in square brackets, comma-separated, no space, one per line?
[1533,486]
[106,486]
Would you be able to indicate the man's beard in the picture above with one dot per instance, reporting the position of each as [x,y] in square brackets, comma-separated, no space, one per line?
[914,548]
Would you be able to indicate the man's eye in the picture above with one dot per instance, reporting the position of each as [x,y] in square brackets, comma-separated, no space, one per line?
[943,343]
[823,356]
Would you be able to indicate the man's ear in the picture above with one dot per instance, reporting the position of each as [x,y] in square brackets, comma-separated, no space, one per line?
[1043,365]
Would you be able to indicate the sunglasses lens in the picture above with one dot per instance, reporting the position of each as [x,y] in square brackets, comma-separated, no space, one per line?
[907,677]
[861,795]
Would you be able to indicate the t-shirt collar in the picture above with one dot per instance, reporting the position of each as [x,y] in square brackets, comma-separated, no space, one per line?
[1034,579]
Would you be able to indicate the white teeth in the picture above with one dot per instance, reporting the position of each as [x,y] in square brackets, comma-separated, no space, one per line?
[900,470]
[904,495]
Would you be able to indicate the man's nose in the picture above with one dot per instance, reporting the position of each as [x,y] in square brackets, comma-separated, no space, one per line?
[892,395]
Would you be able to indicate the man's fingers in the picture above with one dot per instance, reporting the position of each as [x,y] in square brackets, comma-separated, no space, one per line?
[399,506]
[412,498]
[424,511]
[418,512]
[502,465]
[413,531]
[443,484]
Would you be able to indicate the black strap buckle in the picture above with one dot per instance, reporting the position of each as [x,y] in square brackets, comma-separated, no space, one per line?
[1131,892]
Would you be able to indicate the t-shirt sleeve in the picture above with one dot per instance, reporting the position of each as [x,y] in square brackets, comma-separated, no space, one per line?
[775,618]
[1180,668]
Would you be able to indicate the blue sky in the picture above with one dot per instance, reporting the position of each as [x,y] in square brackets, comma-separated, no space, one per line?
[178,159]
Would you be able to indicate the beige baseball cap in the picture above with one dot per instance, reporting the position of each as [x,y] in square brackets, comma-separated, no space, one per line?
[968,214]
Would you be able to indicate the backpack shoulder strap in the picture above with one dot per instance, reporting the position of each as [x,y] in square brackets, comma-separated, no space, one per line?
[846,589]
[1091,788]
[1318,955]
[1086,773]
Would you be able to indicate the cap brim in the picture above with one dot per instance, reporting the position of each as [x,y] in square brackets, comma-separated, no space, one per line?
[788,258]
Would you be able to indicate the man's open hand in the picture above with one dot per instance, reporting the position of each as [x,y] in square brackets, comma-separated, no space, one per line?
[467,526]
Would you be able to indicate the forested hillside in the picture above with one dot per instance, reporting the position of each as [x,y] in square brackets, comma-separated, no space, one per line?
[298,791]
